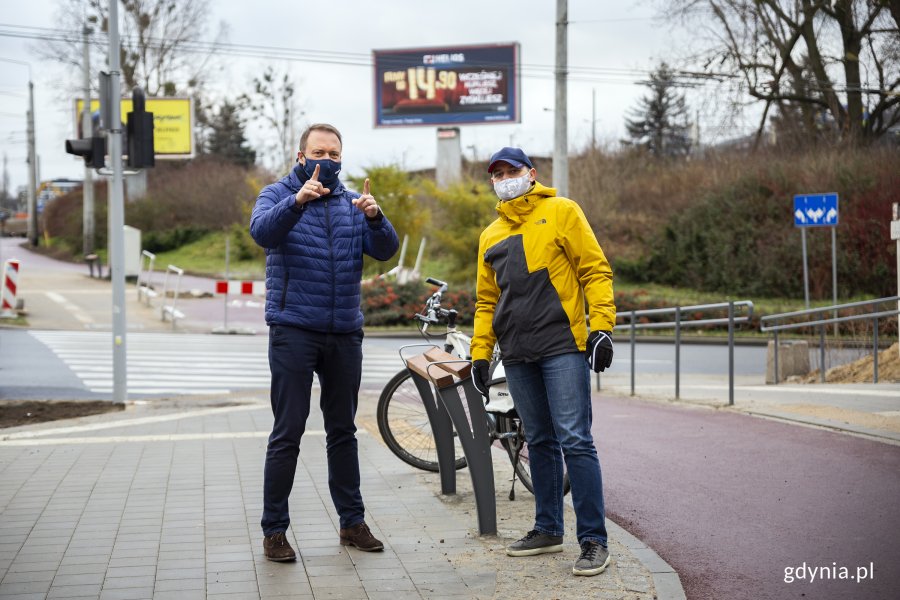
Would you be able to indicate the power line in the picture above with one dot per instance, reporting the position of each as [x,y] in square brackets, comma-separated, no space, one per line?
[359,59]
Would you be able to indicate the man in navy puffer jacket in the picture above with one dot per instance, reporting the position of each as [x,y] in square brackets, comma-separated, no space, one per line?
[315,232]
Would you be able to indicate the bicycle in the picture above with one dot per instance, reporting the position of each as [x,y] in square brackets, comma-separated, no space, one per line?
[403,422]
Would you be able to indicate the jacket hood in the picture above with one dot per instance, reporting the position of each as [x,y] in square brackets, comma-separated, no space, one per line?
[518,209]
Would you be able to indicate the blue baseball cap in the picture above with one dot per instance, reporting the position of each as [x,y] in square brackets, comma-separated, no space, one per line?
[514,156]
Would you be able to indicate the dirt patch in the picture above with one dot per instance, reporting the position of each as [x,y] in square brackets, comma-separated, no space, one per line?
[861,370]
[26,412]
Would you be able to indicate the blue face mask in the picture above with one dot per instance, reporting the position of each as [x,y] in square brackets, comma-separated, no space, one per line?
[328,171]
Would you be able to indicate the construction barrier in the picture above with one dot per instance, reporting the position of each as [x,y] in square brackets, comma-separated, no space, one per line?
[8,291]
[238,288]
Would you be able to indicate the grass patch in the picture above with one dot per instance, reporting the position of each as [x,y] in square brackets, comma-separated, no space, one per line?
[206,257]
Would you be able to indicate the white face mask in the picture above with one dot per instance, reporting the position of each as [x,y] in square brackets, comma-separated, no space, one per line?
[507,189]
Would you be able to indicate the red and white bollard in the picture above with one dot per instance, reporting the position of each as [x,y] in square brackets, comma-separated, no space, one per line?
[8,291]
[240,288]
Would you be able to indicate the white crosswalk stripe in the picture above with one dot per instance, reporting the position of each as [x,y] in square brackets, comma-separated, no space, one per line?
[162,363]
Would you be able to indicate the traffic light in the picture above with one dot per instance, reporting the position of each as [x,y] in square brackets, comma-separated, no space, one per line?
[92,149]
[141,152]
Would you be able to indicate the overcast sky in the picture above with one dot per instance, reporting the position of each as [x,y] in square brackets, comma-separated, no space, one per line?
[614,35]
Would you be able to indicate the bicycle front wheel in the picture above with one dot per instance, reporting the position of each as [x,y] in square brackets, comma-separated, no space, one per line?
[517,448]
[404,426]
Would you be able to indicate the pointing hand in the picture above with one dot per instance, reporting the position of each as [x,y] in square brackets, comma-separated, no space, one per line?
[312,189]
[366,202]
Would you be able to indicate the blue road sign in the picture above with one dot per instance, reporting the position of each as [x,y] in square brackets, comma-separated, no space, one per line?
[816,210]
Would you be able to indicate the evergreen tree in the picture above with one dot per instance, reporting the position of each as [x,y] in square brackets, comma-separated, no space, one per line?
[226,138]
[659,124]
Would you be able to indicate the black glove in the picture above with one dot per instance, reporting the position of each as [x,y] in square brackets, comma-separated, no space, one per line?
[480,375]
[599,350]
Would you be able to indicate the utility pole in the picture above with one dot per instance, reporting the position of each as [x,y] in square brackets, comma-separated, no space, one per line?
[116,210]
[560,135]
[593,119]
[32,229]
[86,132]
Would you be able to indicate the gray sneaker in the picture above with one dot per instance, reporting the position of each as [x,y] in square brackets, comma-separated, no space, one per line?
[535,542]
[593,560]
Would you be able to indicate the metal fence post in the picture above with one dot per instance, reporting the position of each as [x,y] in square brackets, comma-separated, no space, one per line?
[632,351]
[822,349]
[731,353]
[677,352]
[776,356]
[227,276]
[875,355]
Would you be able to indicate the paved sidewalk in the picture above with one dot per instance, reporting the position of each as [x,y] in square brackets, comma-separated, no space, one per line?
[163,500]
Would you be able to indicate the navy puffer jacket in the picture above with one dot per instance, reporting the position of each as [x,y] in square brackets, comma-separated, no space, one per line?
[314,256]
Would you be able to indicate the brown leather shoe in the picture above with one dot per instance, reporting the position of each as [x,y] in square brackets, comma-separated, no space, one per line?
[361,537]
[277,548]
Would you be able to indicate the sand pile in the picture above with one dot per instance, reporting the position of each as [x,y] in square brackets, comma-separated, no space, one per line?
[860,371]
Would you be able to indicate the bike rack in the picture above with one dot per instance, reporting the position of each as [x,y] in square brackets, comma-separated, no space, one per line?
[438,419]
[145,290]
[169,311]
[464,412]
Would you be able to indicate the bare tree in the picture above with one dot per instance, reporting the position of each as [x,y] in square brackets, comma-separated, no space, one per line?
[272,104]
[828,60]
[165,45]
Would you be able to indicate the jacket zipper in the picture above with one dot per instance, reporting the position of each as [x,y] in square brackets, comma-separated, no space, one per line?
[331,263]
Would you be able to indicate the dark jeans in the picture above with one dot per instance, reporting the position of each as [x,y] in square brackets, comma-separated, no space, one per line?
[294,355]
[553,398]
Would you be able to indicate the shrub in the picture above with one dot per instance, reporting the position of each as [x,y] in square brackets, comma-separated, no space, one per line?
[385,302]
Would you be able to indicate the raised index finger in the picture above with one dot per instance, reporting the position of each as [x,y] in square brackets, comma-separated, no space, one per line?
[366,187]
[315,175]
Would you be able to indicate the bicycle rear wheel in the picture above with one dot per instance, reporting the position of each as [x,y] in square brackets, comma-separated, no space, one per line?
[517,449]
[404,426]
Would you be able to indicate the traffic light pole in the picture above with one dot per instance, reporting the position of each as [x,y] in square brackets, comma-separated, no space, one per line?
[86,132]
[32,229]
[116,212]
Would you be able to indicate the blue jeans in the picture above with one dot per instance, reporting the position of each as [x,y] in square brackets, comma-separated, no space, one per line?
[553,399]
[294,356]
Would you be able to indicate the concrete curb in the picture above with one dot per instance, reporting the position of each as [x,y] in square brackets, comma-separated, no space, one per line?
[665,578]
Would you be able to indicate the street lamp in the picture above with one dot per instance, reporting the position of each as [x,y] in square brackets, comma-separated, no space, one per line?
[32,161]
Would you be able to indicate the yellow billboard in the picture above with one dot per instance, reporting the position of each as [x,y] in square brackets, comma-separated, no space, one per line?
[173,124]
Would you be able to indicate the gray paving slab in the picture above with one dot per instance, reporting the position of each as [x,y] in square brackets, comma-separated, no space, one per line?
[121,516]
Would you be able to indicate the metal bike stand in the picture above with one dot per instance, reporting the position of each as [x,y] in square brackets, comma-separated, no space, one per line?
[441,426]
[466,408]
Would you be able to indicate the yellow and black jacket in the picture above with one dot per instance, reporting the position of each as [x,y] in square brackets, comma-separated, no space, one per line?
[536,265]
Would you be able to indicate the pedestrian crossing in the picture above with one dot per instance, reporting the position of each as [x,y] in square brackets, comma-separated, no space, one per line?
[177,363]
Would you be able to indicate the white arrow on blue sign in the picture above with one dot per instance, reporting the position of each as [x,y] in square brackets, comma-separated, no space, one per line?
[816,210]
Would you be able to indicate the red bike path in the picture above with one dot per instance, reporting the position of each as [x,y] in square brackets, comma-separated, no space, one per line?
[731,501]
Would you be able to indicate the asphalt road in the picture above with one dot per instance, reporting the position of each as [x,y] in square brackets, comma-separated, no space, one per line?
[732,501]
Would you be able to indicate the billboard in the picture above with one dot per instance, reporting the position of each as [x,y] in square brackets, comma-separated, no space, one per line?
[173,124]
[449,85]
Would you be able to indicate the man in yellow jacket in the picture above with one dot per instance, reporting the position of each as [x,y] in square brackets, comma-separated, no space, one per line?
[537,264]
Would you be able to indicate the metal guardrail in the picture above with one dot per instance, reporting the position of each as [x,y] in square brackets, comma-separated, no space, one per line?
[144,291]
[822,322]
[170,310]
[677,325]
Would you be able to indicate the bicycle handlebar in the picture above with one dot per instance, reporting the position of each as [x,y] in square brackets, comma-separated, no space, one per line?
[433,312]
